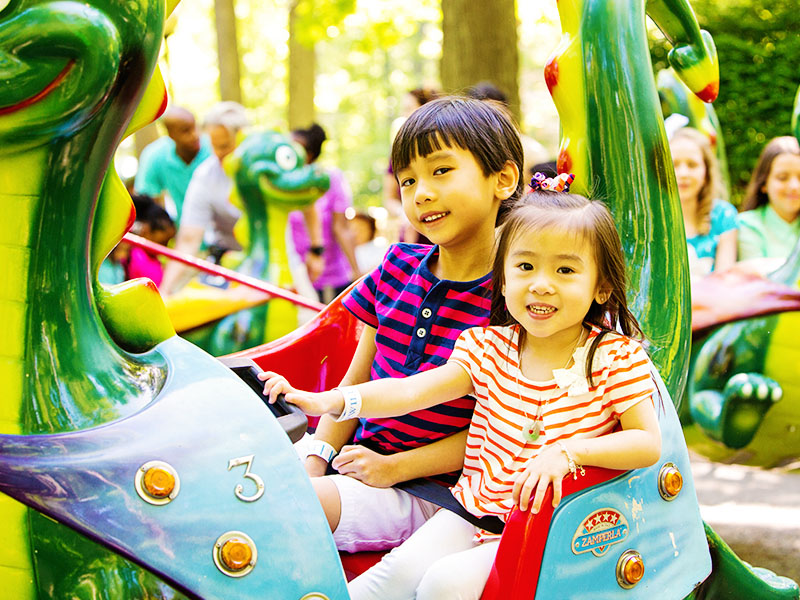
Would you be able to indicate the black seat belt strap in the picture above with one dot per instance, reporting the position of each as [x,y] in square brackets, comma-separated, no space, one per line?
[441,496]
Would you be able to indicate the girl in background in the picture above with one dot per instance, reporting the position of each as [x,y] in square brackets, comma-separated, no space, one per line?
[152,223]
[711,224]
[769,219]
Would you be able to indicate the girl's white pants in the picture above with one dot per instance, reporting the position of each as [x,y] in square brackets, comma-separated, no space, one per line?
[440,561]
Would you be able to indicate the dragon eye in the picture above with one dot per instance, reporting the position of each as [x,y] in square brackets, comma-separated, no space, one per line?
[284,156]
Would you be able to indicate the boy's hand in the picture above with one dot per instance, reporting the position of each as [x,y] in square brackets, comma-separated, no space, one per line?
[314,404]
[548,468]
[367,466]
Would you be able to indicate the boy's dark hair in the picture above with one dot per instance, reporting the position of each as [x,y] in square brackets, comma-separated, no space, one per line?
[483,128]
[589,219]
[147,211]
[311,139]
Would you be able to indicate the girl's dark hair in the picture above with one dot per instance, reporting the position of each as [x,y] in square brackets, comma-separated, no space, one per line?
[311,139]
[755,195]
[484,128]
[588,219]
[147,211]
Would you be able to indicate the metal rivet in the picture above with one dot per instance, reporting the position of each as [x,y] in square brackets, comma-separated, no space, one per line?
[235,554]
[670,481]
[630,569]
[157,482]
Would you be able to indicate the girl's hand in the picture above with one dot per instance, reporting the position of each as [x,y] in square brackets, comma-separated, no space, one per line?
[548,468]
[309,402]
[367,466]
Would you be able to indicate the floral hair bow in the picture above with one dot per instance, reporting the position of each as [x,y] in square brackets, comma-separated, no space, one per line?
[559,183]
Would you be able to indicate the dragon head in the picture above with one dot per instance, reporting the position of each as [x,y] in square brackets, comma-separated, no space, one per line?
[269,165]
[83,56]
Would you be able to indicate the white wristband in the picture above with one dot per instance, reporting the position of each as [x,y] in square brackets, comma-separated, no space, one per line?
[322,449]
[352,402]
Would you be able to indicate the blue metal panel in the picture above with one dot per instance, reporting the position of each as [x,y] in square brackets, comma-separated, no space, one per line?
[85,479]
[668,535]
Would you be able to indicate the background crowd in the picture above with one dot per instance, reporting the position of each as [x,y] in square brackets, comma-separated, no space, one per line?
[181,191]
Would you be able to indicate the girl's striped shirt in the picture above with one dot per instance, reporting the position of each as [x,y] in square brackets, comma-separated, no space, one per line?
[418,318]
[507,401]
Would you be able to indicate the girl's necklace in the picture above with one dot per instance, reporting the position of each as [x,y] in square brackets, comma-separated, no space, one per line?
[533,428]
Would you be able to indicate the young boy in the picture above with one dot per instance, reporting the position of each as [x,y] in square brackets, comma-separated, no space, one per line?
[458,163]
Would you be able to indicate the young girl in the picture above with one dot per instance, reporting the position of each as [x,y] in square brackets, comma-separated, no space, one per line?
[769,219]
[551,379]
[152,223]
[711,224]
[457,162]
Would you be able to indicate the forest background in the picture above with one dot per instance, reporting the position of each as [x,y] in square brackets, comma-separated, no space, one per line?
[346,64]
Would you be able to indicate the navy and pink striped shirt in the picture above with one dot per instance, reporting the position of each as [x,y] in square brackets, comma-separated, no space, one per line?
[418,319]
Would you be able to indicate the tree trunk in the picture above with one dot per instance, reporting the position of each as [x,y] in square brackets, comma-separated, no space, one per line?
[302,71]
[479,43]
[227,51]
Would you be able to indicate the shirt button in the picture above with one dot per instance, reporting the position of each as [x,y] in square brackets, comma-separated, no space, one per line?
[421,332]
[427,312]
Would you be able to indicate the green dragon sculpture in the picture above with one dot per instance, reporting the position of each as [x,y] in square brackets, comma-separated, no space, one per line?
[63,95]
[271,179]
[613,140]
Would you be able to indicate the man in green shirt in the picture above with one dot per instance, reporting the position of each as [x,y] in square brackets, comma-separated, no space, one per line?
[167,165]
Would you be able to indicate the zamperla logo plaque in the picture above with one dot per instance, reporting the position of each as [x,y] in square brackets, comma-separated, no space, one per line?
[600,530]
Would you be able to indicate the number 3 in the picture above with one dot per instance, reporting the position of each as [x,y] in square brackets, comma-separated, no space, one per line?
[248,461]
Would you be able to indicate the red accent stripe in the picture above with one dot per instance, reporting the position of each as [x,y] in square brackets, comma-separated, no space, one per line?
[33,99]
[710,92]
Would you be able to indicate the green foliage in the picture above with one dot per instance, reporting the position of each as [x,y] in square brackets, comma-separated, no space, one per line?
[314,17]
[759,53]
[363,73]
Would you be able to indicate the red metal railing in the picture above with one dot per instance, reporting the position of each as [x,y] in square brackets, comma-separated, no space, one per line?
[230,275]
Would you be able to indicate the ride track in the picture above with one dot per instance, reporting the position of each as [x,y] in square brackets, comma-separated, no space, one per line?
[151,470]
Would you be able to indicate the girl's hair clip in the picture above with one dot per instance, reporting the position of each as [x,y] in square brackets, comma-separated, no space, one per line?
[559,183]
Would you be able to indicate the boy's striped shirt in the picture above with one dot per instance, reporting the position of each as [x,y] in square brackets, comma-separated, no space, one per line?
[418,318]
[496,446]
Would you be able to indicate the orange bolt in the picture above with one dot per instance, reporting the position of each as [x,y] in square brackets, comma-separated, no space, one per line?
[236,554]
[158,482]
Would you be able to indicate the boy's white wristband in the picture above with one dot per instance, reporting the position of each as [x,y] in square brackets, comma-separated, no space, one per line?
[322,449]
[352,402]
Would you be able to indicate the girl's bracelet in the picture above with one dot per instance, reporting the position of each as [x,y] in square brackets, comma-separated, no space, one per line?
[571,464]
[352,402]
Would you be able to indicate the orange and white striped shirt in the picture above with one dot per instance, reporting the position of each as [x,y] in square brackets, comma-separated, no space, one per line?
[507,402]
